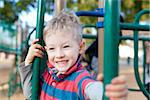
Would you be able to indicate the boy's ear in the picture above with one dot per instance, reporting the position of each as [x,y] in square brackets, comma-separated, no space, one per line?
[82,47]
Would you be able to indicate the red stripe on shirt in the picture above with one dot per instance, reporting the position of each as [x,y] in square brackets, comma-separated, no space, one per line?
[82,75]
[84,84]
[61,85]
[64,85]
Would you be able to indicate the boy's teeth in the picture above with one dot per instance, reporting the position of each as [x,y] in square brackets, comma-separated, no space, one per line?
[60,62]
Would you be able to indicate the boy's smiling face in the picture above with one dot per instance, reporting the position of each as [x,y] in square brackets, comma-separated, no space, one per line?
[63,50]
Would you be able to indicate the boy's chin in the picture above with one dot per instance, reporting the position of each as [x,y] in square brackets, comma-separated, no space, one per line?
[62,70]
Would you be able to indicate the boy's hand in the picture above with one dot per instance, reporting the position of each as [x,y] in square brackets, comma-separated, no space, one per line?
[35,50]
[117,90]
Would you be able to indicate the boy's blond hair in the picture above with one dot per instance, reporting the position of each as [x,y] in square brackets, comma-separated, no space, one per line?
[65,22]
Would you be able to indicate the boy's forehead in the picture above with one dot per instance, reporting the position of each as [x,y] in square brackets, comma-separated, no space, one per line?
[60,42]
[62,33]
[60,37]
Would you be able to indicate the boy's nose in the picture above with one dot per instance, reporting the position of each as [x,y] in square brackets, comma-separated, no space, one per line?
[60,53]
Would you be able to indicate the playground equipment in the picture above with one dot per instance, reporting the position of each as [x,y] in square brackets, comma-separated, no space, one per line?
[111,39]
[128,26]
[11,48]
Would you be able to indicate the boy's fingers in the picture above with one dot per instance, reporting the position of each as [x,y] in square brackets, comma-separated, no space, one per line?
[121,98]
[122,94]
[38,55]
[119,80]
[118,88]
[38,51]
[36,40]
[38,46]
[45,47]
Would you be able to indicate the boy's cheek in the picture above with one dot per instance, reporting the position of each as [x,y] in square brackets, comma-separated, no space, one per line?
[50,61]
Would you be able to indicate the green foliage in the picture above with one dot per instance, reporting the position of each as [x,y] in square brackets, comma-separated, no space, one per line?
[128,7]
[84,5]
[9,12]
[131,7]
[12,9]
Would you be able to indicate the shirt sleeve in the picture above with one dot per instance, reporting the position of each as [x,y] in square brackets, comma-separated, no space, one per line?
[26,75]
[94,90]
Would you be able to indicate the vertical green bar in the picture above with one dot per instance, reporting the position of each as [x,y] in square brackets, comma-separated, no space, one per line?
[36,63]
[111,40]
[144,60]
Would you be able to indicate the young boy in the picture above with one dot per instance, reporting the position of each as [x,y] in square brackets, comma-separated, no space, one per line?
[65,79]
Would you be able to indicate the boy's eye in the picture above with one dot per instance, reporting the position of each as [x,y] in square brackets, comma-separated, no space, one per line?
[51,49]
[66,46]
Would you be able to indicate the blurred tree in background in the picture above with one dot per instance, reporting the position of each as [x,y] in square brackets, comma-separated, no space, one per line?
[128,7]
[87,5]
[10,9]
[131,7]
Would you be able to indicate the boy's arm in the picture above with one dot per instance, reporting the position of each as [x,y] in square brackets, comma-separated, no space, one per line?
[94,90]
[26,75]
[25,70]
[116,90]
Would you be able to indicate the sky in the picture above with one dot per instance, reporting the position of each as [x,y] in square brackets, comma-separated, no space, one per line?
[30,17]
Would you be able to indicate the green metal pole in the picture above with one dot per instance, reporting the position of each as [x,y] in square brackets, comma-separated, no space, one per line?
[132,38]
[89,36]
[36,63]
[136,38]
[134,26]
[111,40]
[144,61]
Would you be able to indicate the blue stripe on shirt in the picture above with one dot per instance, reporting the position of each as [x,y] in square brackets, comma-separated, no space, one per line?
[57,93]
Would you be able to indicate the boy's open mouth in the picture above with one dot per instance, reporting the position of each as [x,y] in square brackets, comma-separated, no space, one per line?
[62,62]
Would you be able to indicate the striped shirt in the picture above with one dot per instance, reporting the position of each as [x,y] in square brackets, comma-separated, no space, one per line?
[68,86]
[74,85]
